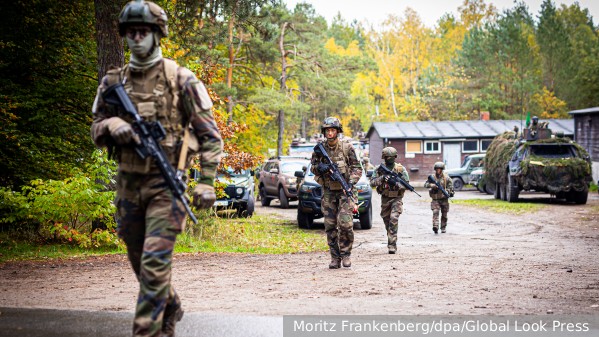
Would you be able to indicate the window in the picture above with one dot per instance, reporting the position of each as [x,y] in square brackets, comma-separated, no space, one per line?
[469,146]
[432,147]
[413,146]
[484,144]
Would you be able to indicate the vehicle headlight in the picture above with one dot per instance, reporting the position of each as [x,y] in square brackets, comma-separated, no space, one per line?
[239,190]
[307,188]
[291,181]
[363,188]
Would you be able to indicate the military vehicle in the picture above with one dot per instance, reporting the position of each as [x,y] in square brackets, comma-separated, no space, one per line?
[538,161]
[461,175]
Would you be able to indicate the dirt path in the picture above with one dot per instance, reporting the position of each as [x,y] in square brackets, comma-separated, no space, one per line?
[487,263]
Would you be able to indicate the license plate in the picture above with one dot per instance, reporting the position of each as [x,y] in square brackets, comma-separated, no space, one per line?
[221,203]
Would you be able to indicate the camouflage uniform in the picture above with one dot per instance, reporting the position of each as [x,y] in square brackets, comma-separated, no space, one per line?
[391,202]
[148,216]
[336,207]
[439,202]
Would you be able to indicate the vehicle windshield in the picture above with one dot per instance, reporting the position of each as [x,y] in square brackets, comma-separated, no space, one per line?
[301,149]
[552,151]
[291,166]
[230,172]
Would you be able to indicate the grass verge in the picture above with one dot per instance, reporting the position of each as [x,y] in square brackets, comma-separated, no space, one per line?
[256,235]
[501,206]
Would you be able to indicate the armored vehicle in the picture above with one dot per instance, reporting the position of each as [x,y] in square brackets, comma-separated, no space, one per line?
[538,161]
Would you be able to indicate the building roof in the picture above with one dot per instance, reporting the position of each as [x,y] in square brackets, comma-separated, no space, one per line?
[584,111]
[459,129]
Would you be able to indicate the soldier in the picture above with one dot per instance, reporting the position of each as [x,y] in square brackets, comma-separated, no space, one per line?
[440,201]
[391,195]
[148,216]
[338,209]
[366,164]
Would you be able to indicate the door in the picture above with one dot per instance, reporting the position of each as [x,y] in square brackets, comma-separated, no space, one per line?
[452,155]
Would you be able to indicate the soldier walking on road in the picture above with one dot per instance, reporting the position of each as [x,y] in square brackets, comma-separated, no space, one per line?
[338,209]
[391,195]
[149,217]
[440,202]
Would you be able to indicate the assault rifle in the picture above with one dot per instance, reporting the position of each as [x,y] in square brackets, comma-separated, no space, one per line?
[395,179]
[334,172]
[150,134]
[432,180]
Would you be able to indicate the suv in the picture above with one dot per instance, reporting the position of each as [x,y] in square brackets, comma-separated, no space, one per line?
[310,195]
[277,180]
[239,192]
[461,176]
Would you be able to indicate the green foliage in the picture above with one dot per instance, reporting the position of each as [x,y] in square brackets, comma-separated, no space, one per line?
[64,210]
[47,86]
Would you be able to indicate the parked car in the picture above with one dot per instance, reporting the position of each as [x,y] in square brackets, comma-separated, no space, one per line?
[478,179]
[461,175]
[277,179]
[239,191]
[310,196]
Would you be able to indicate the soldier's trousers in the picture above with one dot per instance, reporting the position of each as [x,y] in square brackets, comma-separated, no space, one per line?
[149,219]
[338,222]
[391,209]
[440,205]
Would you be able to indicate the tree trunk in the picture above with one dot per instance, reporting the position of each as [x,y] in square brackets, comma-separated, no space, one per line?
[283,88]
[109,43]
[231,50]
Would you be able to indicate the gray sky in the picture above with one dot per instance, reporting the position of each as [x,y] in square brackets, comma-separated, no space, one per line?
[375,11]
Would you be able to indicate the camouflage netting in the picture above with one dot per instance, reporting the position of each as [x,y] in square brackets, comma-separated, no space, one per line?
[559,174]
[498,154]
[552,175]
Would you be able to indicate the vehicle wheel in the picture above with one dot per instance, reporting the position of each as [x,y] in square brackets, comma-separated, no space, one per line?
[263,198]
[366,219]
[490,189]
[250,207]
[304,220]
[457,184]
[512,189]
[579,198]
[496,192]
[480,187]
[283,199]
[502,192]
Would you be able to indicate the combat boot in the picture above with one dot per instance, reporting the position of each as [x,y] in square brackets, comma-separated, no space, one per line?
[171,317]
[436,230]
[335,263]
[392,249]
[346,260]
[443,230]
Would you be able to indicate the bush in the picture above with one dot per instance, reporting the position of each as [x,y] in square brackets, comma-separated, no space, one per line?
[63,211]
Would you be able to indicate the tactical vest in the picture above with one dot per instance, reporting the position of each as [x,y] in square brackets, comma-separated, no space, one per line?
[392,192]
[443,182]
[153,104]
[340,156]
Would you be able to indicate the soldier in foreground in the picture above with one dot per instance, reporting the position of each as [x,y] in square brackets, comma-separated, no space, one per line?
[440,202]
[149,217]
[391,195]
[338,208]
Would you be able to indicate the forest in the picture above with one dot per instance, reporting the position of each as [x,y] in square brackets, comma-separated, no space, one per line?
[274,73]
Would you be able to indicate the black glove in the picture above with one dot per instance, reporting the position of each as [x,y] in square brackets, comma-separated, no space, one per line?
[323,168]
[390,181]
[451,194]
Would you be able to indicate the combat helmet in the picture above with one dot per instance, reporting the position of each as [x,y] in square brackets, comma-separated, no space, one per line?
[331,122]
[140,12]
[389,152]
[440,165]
